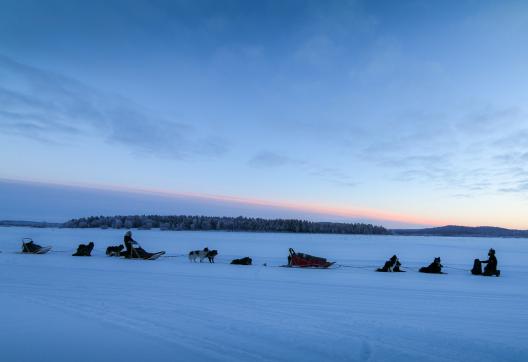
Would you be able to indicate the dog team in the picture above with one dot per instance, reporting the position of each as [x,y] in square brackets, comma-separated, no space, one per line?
[393,265]
[135,251]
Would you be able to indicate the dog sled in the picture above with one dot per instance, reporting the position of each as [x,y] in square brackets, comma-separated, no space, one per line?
[139,253]
[301,260]
[135,251]
[29,247]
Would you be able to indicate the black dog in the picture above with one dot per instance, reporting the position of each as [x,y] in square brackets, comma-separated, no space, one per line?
[114,250]
[434,268]
[391,265]
[244,261]
[84,250]
[211,255]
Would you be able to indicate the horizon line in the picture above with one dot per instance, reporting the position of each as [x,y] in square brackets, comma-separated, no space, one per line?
[324,209]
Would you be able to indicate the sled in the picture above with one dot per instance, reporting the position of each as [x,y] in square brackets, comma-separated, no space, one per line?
[152,257]
[379,270]
[496,274]
[40,250]
[301,260]
[309,266]
[43,250]
[477,270]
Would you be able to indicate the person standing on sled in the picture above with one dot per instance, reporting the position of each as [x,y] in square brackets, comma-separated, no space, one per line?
[133,250]
[491,264]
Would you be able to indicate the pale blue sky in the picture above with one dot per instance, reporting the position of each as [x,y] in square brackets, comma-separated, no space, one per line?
[412,108]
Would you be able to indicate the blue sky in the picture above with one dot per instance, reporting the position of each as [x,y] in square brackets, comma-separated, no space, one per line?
[405,112]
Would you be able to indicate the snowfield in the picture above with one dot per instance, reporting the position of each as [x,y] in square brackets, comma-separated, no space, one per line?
[56,307]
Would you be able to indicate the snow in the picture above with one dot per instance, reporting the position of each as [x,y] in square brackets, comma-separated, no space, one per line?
[56,307]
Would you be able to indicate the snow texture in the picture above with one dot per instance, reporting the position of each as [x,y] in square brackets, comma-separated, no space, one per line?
[56,307]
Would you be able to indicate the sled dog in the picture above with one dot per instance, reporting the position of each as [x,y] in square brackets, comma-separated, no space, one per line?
[198,254]
[114,250]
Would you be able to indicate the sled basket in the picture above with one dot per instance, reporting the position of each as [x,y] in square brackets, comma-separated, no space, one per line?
[302,260]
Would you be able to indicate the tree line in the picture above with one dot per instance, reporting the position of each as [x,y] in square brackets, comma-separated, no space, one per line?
[186,222]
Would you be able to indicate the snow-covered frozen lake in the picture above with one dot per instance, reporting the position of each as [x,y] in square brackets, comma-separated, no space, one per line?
[56,307]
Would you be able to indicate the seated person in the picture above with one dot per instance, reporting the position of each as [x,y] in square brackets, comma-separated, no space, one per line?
[491,264]
[434,268]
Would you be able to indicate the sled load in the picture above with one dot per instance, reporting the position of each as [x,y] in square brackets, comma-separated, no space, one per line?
[29,247]
[477,267]
[301,260]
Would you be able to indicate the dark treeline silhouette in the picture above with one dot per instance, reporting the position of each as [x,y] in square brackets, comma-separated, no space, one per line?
[454,230]
[240,223]
[34,224]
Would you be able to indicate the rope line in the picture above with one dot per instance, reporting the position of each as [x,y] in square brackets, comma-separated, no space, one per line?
[336,266]
[266,265]
[411,268]
[356,266]
[451,267]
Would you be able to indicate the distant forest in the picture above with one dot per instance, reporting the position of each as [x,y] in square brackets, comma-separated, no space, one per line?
[223,224]
[262,225]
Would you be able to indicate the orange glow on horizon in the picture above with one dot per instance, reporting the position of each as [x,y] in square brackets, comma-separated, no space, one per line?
[330,210]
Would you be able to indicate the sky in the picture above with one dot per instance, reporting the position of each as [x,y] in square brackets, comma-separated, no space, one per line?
[402,113]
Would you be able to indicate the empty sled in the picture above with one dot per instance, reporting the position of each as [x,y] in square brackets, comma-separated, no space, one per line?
[301,260]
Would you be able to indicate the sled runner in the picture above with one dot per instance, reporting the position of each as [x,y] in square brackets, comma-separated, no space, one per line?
[43,250]
[29,247]
[144,255]
[156,255]
[301,260]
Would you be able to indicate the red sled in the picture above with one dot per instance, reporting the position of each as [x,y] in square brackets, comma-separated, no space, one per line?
[301,260]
